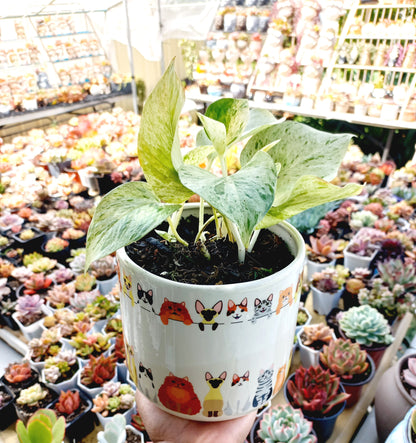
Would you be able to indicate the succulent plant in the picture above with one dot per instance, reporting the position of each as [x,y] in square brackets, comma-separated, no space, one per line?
[61,366]
[68,402]
[27,234]
[285,424]
[29,307]
[409,376]
[119,348]
[21,273]
[366,326]
[114,431]
[18,372]
[36,282]
[322,249]
[73,234]
[31,258]
[101,307]
[62,275]
[98,370]
[77,264]
[56,244]
[82,299]
[60,295]
[93,344]
[394,272]
[6,268]
[114,325]
[302,318]
[114,397]
[32,395]
[4,289]
[318,334]
[85,282]
[7,307]
[47,345]
[43,427]
[330,279]
[344,358]
[315,390]
[103,268]
[44,264]
[4,241]
[362,219]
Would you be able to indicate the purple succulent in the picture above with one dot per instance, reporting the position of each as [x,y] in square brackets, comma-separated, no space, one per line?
[29,305]
[61,204]
[80,300]
[62,275]
[112,388]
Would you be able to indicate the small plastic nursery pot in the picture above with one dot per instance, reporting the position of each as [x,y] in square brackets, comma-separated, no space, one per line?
[15,388]
[83,424]
[65,385]
[353,261]
[127,415]
[299,327]
[313,267]
[35,329]
[30,245]
[106,285]
[323,302]
[131,430]
[308,355]
[91,392]
[403,432]
[60,256]
[7,411]
[24,412]
[322,425]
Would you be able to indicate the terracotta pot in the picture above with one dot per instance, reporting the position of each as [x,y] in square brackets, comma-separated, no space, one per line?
[392,401]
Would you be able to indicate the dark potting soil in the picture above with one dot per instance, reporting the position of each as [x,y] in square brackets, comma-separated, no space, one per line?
[29,321]
[26,411]
[176,262]
[131,437]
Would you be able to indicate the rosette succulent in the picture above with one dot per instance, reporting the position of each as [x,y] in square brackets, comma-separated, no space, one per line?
[84,282]
[32,395]
[56,244]
[29,307]
[318,333]
[36,282]
[62,275]
[366,326]
[61,367]
[115,397]
[60,295]
[285,424]
[98,370]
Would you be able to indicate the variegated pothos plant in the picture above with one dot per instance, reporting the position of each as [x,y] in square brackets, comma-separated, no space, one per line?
[285,168]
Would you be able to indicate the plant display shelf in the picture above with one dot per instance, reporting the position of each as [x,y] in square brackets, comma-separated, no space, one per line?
[350,419]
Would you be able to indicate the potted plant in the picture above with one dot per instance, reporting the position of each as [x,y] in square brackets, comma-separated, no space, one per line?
[29,313]
[282,424]
[62,275]
[75,407]
[101,309]
[36,283]
[95,373]
[75,237]
[320,396]
[405,431]
[39,349]
[37,263]
[303,318]
[121,219]
[327,288]
[366,326]
[7,309]
[29,239]
[57,248]
[85,282]
[116,431]
[321,253]
[395,394]
[42,426]
[104,270]
[354,367]
[31,399]
[18,376]
[311,339]
[357,281]
[7,411]
[92,344]
[115,398]
[60,371]
[119,353]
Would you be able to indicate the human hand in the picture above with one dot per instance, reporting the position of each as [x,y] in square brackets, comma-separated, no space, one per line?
[166,428]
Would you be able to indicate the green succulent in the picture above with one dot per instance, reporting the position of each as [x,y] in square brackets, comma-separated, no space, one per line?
[366,326]
[113,404]
[43,427]
[285,424]
[32,395]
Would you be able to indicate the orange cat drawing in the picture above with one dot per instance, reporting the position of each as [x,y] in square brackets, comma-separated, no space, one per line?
[280,379]
[284,296]
[177,394]
[174,311]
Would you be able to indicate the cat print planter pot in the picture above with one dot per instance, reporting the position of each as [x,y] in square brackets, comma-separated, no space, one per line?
[211,353]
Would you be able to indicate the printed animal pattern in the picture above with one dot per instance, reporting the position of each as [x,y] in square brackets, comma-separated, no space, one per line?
[213,401]
[174,311]
[131,365]
[208,314]
[262,308]
[146,297]
[236,312]
[264,387]
[146,372]
[285,299]
[177,394]
[127,288]
[299,287]
[280,379]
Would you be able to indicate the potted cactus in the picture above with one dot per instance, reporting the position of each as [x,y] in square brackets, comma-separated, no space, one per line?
[43,427]
[18,376]
[352,364]
[60,371]
[7,410]
[366,326]
[320,396]
[75,407]
[395,395]
[30,311]
[31,399]
[115,398]
[282,424]
[321,253]
[327,287]
[95,373]
[311,339]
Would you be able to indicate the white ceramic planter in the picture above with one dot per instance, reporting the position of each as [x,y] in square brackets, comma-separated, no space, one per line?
[35,329]
[313,266]
[324,302]
[308,355]
[127,415]
[353,261]
[172,345]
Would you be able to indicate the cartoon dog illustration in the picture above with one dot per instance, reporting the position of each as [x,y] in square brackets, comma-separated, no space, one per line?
[213,401]
[208,315]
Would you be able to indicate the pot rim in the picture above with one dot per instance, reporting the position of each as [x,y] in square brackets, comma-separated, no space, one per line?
[397,372]
[287,227]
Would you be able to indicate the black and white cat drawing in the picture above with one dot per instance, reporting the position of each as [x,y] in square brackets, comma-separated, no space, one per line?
[264,388]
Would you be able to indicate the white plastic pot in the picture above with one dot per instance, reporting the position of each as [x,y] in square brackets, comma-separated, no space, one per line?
[35,329]
[313,266]
[324,302]
[353,261]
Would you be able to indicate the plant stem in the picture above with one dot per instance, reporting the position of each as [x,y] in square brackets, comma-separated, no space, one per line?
[173,231]
[201,221]
[201,229]
[253,240]
[240,245]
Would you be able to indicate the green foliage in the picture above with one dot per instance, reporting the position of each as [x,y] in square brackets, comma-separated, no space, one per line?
[42,427]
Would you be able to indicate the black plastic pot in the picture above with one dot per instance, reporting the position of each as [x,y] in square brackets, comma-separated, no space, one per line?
[105,183]
[24,412]
[60,256]
[7,412]
[15,388]
[32,244]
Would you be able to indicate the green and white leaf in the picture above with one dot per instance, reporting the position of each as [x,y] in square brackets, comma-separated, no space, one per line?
[233,113]
[198,155]
[157,137]
[258,120]
[123,216]
[244,198]
[216,133]
[309,191]
[302,150]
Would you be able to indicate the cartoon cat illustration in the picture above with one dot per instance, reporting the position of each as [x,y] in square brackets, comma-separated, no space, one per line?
[127,288]
[174,311]
[239,383]
[299,287]
[208,315]
[280,379]
[213,401]
[264,387]
[285,298]
[131,365]
[178,395]
[237,311]
[146,297]
[262,308]
[147,372]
